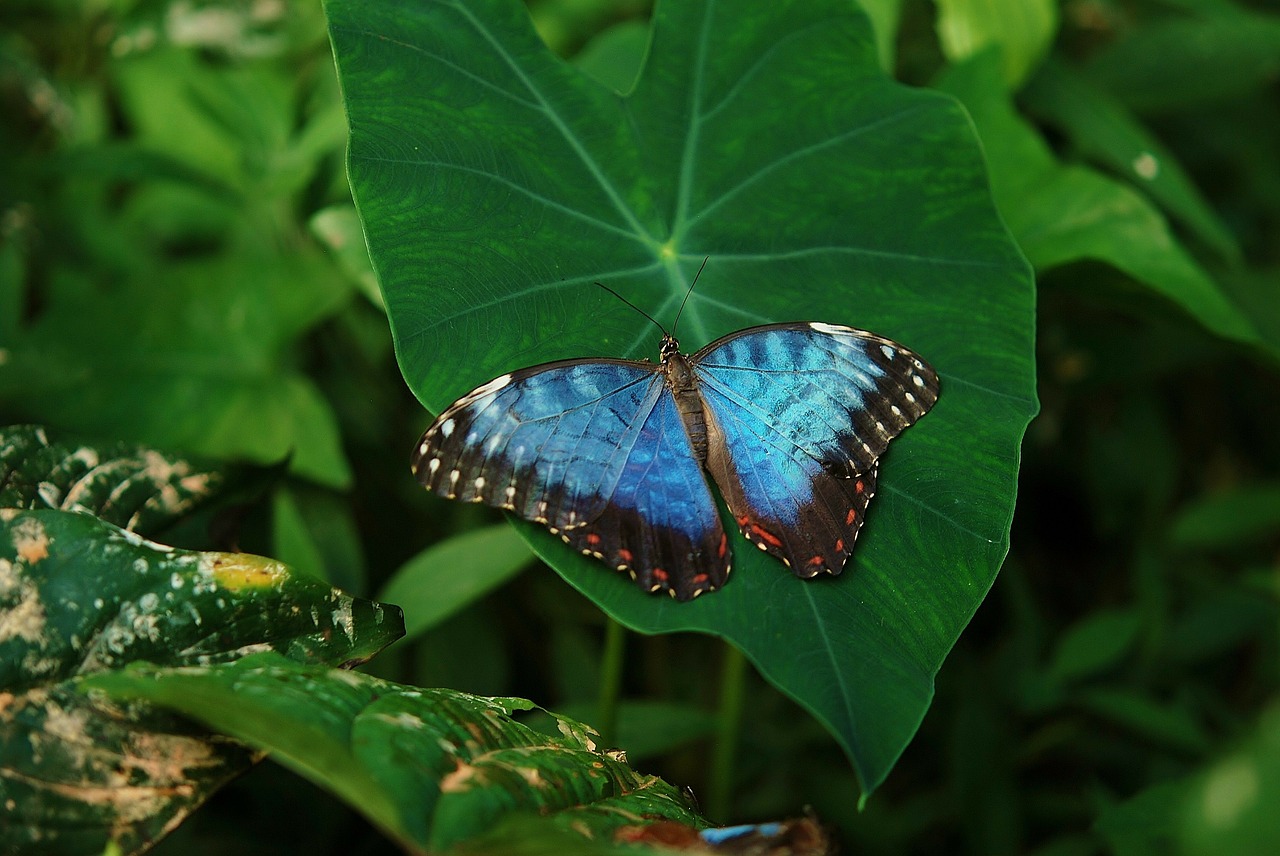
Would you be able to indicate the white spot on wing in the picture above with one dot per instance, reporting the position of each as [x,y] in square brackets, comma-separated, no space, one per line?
[446,427]
[830,329]
[491,387]
[887,351]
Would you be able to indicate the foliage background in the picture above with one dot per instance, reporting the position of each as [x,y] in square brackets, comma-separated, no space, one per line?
[180,265]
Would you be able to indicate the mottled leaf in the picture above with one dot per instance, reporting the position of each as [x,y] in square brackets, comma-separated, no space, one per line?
[134,487]
[79,596]
[430,767]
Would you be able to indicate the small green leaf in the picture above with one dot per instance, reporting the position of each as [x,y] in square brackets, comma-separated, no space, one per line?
[430,767]
[79,596]
[291,539]
[1023,29]
[1095,644]
[886,16]
[338,228]
[1219,56]
[615,56]
[1148,822]
[1164,724]
[1242,515]
[445,577]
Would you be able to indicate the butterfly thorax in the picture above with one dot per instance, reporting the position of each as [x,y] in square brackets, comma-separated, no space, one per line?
[684,389]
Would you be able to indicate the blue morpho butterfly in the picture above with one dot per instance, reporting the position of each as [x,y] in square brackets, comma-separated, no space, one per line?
[789,419]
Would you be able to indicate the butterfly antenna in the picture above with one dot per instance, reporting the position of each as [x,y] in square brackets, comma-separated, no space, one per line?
[633,306]
[687,293]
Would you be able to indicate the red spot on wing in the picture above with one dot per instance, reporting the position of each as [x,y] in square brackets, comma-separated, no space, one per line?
[699,579]
[815,562]
[724,545]
[592,539]
[743,520]
[765,535]
[660,575]
[859,486]
[624,555]
[853,515]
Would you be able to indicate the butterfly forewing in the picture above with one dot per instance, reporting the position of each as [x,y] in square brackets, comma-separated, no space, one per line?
[595,450]
[798,415]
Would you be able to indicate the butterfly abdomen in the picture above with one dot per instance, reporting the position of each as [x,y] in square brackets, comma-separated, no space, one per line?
[684,389]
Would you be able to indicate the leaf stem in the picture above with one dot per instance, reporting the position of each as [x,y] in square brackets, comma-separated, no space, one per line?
[615,637]
[733,673]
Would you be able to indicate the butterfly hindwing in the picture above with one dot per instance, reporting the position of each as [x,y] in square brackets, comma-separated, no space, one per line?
[798,415]
[593,449]
[661,524]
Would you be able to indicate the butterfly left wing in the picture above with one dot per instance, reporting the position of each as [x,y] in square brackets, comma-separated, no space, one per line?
[594,450]
[798,415]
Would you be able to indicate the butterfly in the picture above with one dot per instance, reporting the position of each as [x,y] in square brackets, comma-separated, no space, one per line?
[789,420]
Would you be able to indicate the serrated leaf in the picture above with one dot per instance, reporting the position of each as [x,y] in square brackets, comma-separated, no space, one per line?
[496,183]
[79,596]
[430,767]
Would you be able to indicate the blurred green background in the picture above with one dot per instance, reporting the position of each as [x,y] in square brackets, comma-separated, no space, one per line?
[180,264]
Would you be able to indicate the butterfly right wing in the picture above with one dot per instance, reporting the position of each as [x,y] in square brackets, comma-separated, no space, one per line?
[595,450]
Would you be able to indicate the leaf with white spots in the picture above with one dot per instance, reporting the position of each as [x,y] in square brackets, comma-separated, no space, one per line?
[79,596]
[132,486]
[430,767]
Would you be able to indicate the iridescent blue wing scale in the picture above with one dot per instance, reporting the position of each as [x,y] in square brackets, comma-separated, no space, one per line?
[596,451]
[798,415]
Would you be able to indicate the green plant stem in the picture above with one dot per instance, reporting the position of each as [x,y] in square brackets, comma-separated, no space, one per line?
[733,673]
[610,682]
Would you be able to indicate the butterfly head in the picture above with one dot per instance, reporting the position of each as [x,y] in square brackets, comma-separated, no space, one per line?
[669,347]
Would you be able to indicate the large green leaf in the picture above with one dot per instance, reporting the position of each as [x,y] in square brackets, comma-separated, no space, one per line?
[430,767]
[496,183]
[79,596]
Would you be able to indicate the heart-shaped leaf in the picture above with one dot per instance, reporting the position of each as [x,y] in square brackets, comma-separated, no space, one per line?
[496,183]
